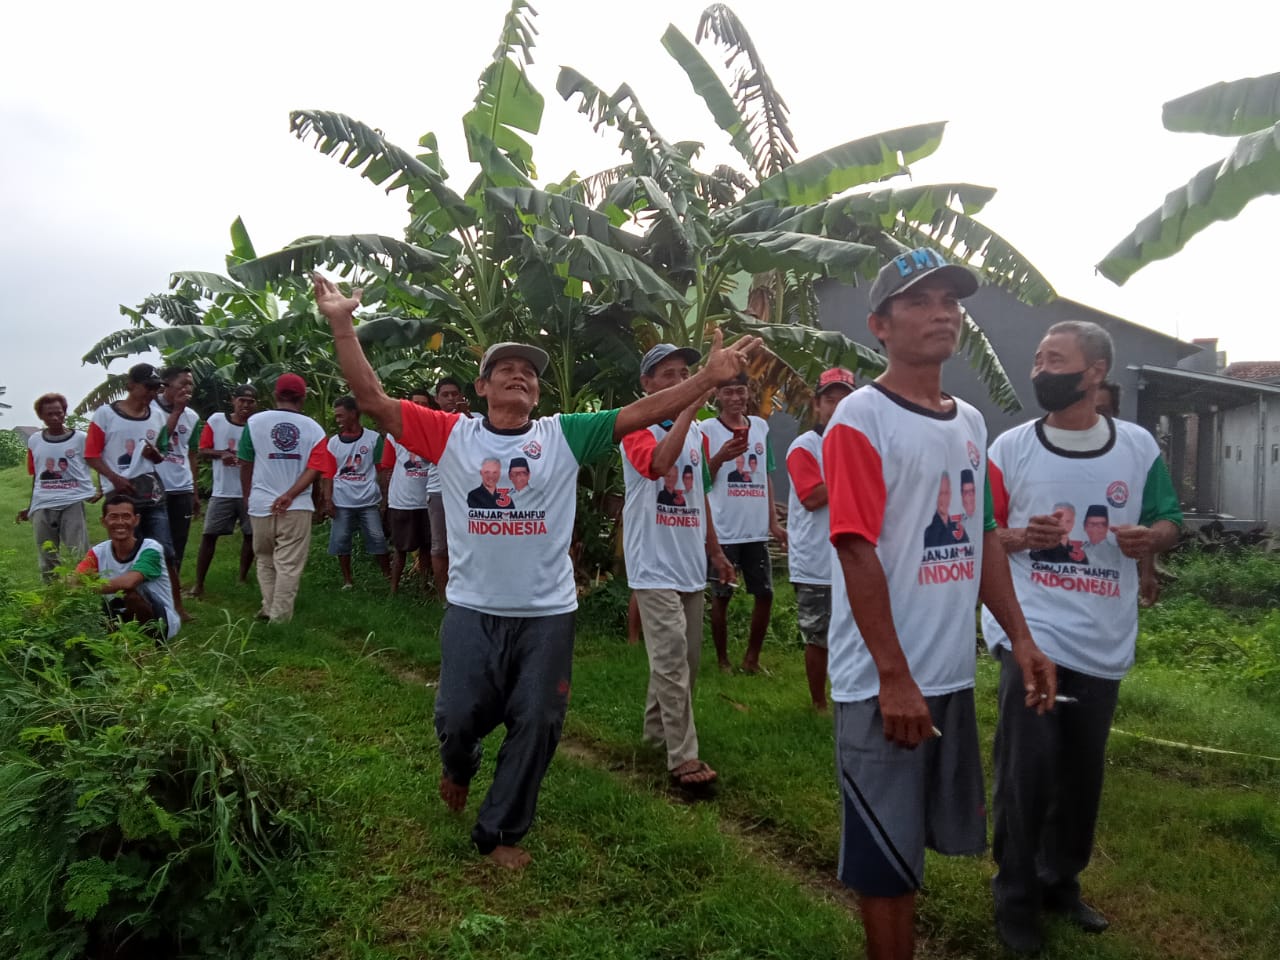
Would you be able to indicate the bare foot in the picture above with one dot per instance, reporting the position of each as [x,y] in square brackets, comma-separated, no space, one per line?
[185,617]
[510,858]
[750,665]
[820,707]
[454,795]
[726,666]
[193,593]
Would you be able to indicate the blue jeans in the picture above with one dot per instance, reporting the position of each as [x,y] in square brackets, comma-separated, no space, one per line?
[345,522]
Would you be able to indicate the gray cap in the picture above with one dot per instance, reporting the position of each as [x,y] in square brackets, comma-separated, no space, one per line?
[906,270]
[663,350]
[525,351]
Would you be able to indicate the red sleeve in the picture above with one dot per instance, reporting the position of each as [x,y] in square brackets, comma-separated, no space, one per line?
[89,564]
[95,441]
[638,447]
[802,468]
[31,464]
[425,431]
[855,483]
[388,460]
[321,459]
[999,495]
[206,438]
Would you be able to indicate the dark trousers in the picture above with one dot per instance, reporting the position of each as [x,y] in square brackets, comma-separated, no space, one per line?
[1048,783]
[180,506]
[509,670]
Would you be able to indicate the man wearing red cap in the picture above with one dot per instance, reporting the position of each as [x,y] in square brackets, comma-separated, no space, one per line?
[809,552]
[282,452]
[506,642]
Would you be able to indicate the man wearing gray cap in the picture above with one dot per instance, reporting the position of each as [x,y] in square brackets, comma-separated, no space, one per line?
[506,642]
[667,538]
[902,640]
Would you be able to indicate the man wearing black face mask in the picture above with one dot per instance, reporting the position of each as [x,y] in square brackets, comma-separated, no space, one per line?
[1083,613]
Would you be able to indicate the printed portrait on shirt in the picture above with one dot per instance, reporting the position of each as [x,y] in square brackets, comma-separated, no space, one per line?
[945,528]
[670,492]
[1067,549]
[489,495]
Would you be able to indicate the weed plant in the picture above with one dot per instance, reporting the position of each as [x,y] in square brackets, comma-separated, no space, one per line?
[151,802]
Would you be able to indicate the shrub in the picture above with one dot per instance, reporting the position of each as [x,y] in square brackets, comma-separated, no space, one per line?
[150,799]
[1242,577]
[13,449]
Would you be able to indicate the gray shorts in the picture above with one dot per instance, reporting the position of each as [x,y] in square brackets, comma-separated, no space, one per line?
[223,513]
[813,613]
[439,534]
[896,802]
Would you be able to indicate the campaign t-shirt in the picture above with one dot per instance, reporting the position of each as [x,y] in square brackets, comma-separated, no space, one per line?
[894,472]
[175,470]
[1080,597]
[664,534]
[808,539]
[118,439]
[147,559]
[61,477]
[220,433]
[508,539]
[355,468]
[739,493]
[410,473]
[282,444]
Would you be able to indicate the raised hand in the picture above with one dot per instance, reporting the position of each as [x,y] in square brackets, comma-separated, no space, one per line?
[331,301]
[724,364]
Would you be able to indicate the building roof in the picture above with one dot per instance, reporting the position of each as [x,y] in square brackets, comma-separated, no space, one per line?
[1172,389]
[1253,370]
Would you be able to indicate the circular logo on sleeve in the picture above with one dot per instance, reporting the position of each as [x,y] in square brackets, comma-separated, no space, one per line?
[285,436]
[1117,493]
[532,450]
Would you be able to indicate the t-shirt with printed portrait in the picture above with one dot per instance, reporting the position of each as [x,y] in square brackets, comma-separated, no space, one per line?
[739,492]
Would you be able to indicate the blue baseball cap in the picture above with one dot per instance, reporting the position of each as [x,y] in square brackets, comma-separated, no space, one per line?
[907,269]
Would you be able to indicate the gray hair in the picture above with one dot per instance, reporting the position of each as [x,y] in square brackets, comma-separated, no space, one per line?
[1095,343]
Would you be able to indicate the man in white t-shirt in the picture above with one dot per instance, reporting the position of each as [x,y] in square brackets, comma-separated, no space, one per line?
[742,500]
[60,485]
[450,399]
[1078,582]
[808,537]
[353,496]
[506,641]
[178,469]
[902,639]
[226,509]
[282,453]
[407,479]
[668,538]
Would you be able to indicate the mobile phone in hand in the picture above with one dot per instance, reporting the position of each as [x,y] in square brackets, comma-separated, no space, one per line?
[740,434]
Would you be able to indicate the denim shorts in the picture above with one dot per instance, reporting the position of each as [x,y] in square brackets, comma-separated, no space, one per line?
[345,522]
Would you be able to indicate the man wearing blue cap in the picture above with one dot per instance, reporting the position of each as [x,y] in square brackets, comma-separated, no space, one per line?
[506,641]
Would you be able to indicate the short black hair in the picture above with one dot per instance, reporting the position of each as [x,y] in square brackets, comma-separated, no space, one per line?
[169,374]
[115,499]
[347,403]
[446,380]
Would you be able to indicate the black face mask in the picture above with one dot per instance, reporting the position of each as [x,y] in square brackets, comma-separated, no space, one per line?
[1057,391]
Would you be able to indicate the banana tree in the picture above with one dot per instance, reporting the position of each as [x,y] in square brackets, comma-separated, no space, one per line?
[1248,109]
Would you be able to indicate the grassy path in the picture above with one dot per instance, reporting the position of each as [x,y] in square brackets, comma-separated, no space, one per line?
[1188,860]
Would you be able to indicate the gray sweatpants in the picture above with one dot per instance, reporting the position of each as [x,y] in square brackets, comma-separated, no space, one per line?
[66,529]
[514,671]
[1048,784]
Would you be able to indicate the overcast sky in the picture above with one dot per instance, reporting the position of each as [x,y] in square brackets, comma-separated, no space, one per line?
[136,132]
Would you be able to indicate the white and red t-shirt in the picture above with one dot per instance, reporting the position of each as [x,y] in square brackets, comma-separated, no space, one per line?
[509,545]
[60,475]
[355,468]
[175,470]
[739,493]
[282,444]
[410,475]
[220,433]
[1080,598]
[118,439]
[808,539]
[894,472]
[664,531]
[147,559]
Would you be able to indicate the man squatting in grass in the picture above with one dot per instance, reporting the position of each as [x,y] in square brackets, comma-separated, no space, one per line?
[127,442]
[742,501]
[219,441]
[351,492]
[667,541]
[506,641]
[808,544]
[282,453]
[1084,613]
[902,639]
[135,578]
[60,485]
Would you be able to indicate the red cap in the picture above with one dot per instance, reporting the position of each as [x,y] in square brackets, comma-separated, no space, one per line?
[835,377]
[291,386]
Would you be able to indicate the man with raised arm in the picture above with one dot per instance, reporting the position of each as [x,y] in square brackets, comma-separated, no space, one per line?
[506,642]
[902,643]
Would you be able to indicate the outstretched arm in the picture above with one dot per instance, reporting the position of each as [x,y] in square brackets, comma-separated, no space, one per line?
[373,400]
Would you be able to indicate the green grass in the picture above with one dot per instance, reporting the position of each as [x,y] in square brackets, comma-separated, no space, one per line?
[1188,854]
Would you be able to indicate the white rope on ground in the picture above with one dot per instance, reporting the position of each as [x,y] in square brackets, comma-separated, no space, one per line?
[1192,746]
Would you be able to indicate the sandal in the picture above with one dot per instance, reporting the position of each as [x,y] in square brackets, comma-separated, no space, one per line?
[693,776]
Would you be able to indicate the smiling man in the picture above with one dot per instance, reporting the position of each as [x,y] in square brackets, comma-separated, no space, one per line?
[506,641]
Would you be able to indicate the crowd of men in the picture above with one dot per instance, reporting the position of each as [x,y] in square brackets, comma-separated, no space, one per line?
[902,520]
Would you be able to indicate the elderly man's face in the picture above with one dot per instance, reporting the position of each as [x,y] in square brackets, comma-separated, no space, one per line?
[489,474]
[944,495]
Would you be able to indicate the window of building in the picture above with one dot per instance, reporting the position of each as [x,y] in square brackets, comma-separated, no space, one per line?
[1226,452]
